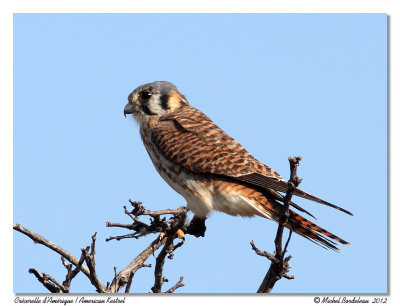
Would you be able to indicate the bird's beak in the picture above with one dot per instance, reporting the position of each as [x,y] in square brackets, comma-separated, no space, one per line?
[129,108]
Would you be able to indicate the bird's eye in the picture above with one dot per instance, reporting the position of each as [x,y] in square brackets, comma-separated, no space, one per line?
[145,95]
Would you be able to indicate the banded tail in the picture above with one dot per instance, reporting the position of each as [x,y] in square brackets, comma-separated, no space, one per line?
[313,232]
[304,227]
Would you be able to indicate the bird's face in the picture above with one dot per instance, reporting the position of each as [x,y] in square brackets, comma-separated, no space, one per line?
[153,100]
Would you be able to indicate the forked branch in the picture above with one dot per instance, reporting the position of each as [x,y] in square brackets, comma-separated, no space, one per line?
[279,266]
[167,230]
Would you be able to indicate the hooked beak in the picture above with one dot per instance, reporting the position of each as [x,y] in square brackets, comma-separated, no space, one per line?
[129,108]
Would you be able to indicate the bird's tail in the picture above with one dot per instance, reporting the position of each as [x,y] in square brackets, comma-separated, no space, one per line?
[304,227]
[313,232]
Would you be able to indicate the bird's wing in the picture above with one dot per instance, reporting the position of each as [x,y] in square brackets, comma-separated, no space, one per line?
[190,139]
[279,185]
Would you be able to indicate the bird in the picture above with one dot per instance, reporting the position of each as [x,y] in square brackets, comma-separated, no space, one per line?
[210,169]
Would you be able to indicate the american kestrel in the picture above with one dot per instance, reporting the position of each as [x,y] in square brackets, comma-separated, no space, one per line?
[211,170]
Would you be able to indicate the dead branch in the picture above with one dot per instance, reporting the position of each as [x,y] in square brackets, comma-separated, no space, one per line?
[176,286]
[132,274]
[279,266]
[168,249]
[168,230]
[158,271]
[90,261]
[49,282]
[41,240]
[124,275]
[71,273]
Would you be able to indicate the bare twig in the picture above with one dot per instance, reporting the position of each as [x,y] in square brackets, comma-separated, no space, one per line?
[123,276]
[90,261]
[158,270]
[72,273]
[41,240]
[129,283]
[287,243]
[169,247]
[122,237]
[166,228]
[176,286]
[263,253]
[279,265]
[49,282]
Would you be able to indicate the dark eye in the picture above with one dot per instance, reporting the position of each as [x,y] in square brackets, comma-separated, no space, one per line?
[145,95]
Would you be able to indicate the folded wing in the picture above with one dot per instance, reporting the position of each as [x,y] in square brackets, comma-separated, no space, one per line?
[190,139]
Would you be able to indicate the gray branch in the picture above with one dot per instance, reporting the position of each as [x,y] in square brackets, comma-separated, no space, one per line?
[279,266]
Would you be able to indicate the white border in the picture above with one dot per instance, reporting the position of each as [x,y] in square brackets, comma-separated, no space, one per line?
[305,6]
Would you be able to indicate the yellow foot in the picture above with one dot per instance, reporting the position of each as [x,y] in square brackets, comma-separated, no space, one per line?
[180,234]
[162,235]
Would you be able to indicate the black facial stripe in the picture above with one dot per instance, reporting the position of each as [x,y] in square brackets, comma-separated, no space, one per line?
[144,107]
[164,102]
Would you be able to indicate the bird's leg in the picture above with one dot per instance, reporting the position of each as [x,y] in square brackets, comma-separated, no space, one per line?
[197,226]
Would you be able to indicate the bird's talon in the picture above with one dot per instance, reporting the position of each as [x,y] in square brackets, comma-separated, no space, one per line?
[180,234]
[197,227]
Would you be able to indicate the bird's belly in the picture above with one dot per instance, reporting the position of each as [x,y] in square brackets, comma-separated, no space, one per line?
[196,190]
[200,193]
[235,199]
[233,204]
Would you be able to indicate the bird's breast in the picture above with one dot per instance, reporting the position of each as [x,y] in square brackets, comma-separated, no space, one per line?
[197,189]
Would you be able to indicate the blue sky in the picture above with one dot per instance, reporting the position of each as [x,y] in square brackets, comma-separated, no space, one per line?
[313,85]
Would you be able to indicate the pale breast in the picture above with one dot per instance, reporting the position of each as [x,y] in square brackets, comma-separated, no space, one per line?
[197,189]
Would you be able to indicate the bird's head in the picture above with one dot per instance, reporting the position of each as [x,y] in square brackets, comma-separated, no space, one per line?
[153,99]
